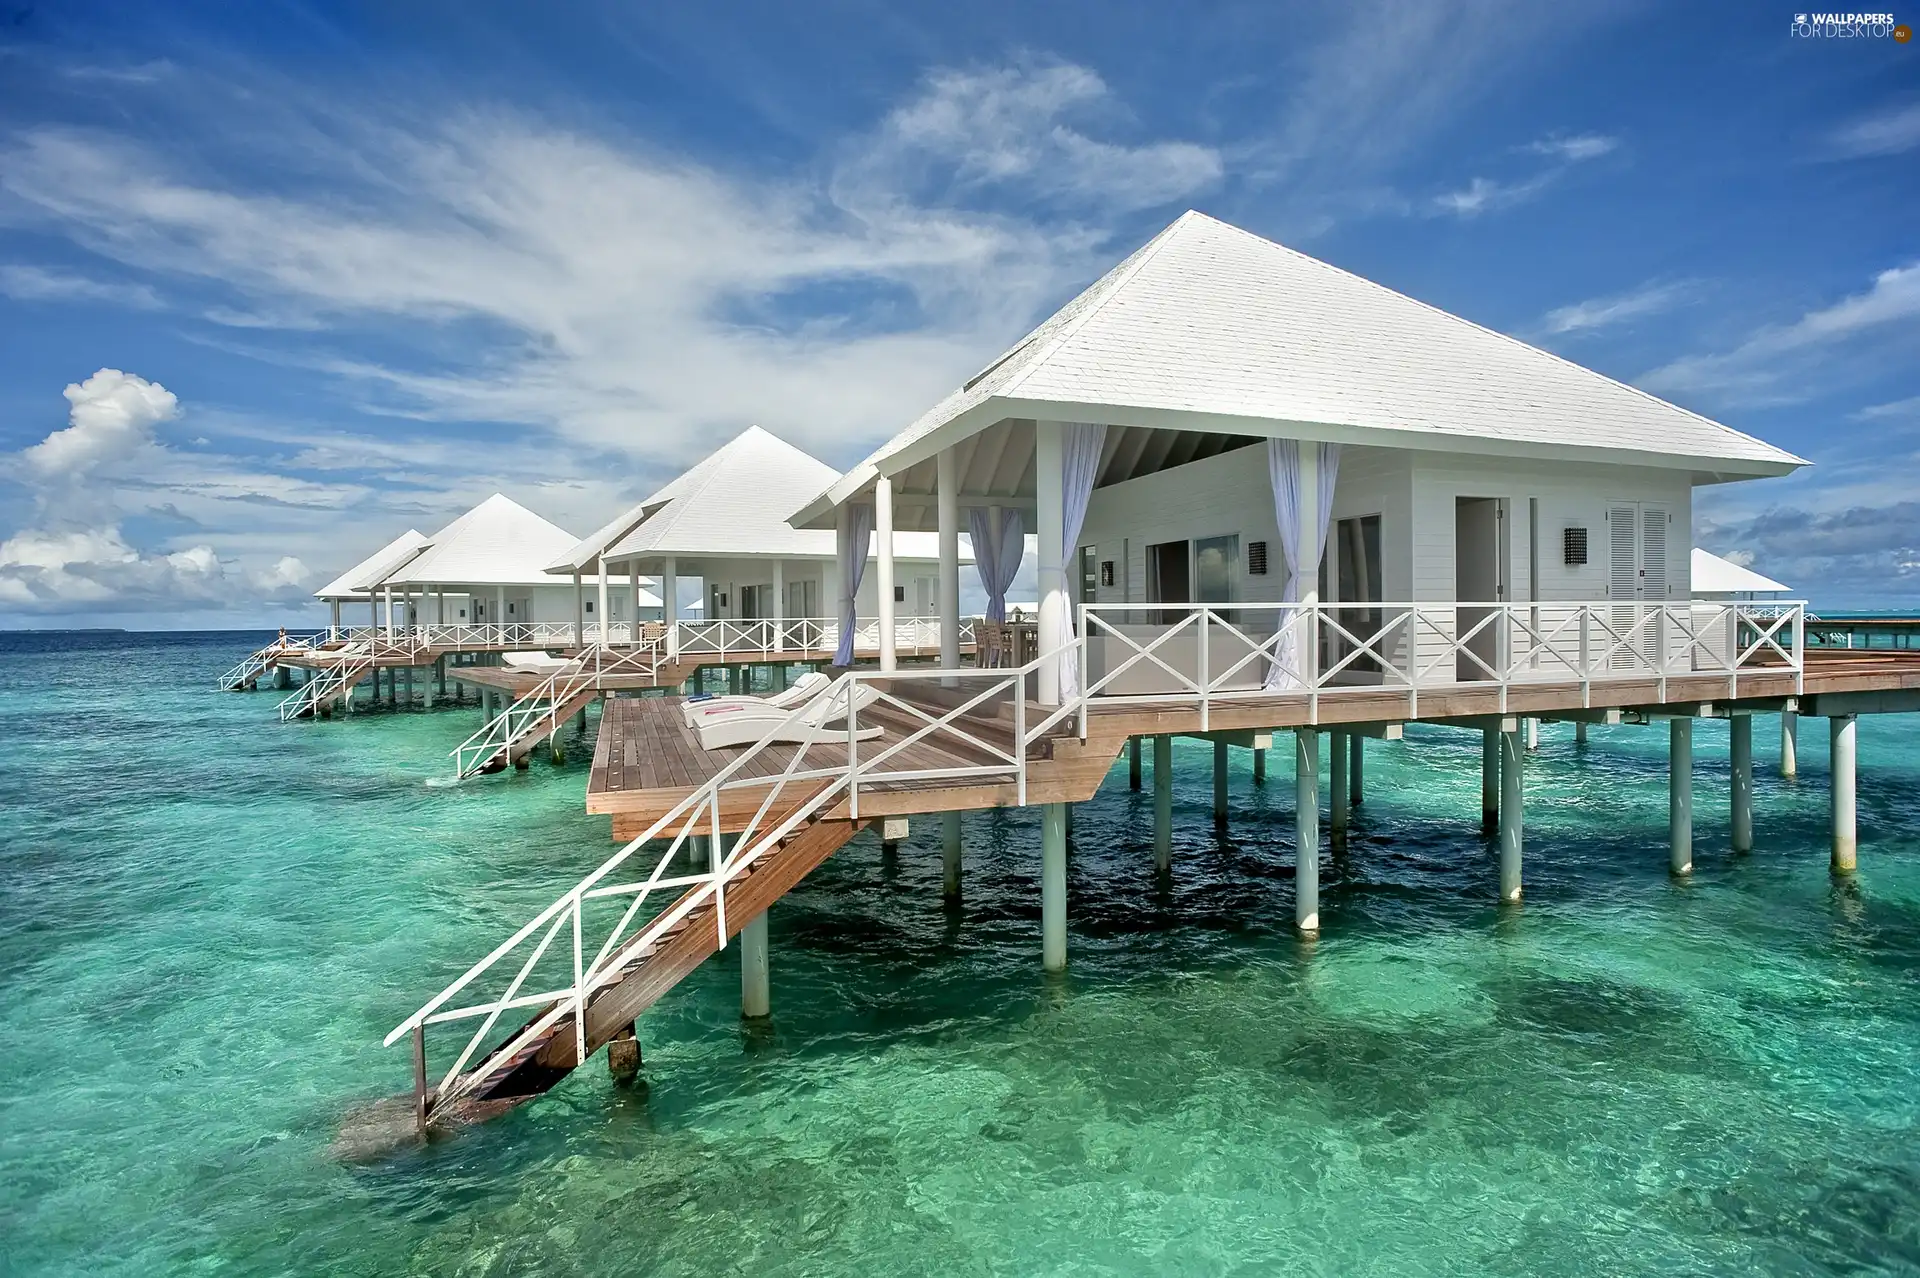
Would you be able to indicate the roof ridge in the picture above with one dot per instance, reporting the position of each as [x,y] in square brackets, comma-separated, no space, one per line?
[1124,276]
[1505,337]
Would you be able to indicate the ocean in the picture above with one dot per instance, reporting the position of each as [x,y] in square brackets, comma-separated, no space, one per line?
[210,919]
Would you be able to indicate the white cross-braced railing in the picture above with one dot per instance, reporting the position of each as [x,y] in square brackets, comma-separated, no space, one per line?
[536,712]
[810,786]
[259,661]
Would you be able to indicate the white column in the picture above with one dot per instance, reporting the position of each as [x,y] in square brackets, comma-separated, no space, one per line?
[440,606]
[1049,466]
[1310,573]
[947,480]
[388,592]
[1513,762]
[606,630]
[1789,743]
[579,613]
[1053,887]
[756,989]
[1306,831]
[500,611]
[779,606]
[336,614]
[883,565]
[633,584]
[1845,833]
[1680,796]
[1163,803]
[1489,779]
[669,591]
[1740,750]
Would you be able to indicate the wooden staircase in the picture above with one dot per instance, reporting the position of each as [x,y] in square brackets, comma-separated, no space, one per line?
[517,1071]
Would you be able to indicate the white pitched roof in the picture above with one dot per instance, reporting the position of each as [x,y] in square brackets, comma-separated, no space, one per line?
[734,503]
[1211,327]
[353,583]
[499,542]
[1713,575]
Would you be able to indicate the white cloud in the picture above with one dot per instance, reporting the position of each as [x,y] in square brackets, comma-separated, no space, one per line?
[1483,195]
[1010,125]
[1773,364]
[37,284]
[112,415]
[1582,146]
[1888,133]
[1899,410]
[1617,308]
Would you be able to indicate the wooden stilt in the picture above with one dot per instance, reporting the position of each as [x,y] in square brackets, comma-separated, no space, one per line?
[623,1055]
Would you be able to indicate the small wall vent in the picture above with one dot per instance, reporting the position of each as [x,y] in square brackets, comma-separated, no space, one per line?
[1256,559]
[1573,547]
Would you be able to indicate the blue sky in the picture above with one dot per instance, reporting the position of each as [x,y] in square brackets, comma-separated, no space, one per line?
[351,268]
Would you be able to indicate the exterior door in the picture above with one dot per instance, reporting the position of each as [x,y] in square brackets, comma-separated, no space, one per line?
[1640,573]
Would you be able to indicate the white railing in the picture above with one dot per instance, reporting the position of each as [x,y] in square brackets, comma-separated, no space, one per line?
[536,713]
[337,677]
[259,661]
[1242,651]
[987,724]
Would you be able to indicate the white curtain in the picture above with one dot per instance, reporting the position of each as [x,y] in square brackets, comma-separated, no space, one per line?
[996,554]
[1080,447]
[1283,471]
[853,566]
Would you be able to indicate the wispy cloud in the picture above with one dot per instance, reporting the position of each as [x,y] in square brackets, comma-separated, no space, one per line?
[1485,195]
[1774,363]
[1899,410]
[37,284]
[1887,132]
[1618,308]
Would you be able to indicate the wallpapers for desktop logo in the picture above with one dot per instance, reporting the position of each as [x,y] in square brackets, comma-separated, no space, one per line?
[1850,26]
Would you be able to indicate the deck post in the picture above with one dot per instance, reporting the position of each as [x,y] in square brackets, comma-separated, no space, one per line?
[1163,803]
[1357,766]
[605,637]
[1845,840]
[1259,766]
[623,1054]
[1513,763]
[1789,743]
[946,480]
[1053,887]
[1049,470]
[1340,807]
[1680,795]
[409,687]
[420,1079]
[883,567]
[1220,785]
[950,854]
[1489,779]
[756,993]
[556,748]
[1133,763]
[579,613]
[779,606]
[1740,748]
[1533,734]
[1306,839]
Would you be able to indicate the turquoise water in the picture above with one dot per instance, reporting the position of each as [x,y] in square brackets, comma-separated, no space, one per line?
[210,919]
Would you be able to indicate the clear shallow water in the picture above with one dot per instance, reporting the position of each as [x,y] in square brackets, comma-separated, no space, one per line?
[210,919]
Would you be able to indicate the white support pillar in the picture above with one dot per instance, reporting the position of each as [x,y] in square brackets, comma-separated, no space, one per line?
[1740,751]
[1306,831]
[1580,733]
[947,479]
[1513,763]
[388,592]
[579,613]
[500,612]
[440,606]
[1340,797]
[336,614]
[1309,533]
[600,603]
[1220,763]
[1845,830]
[779,606]
[1163,803]
[1053,887]
[1533,734]
[1680,796]
[883,566]
[756,986]
[1489,779]
[1049,468]
[950,854]
[1789,743]
[1357,767]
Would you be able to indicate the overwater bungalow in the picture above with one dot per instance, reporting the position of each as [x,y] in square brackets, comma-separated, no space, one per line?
[1275,502]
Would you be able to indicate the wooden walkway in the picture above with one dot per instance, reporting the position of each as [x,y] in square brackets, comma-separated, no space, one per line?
[646,760]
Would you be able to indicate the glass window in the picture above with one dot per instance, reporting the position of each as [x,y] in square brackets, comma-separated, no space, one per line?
[1215,564]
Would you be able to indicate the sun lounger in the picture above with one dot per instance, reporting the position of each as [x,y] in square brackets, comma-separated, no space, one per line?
[739,725]
[805,686]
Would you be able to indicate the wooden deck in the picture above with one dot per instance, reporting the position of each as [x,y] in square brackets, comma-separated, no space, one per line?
[646,760]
